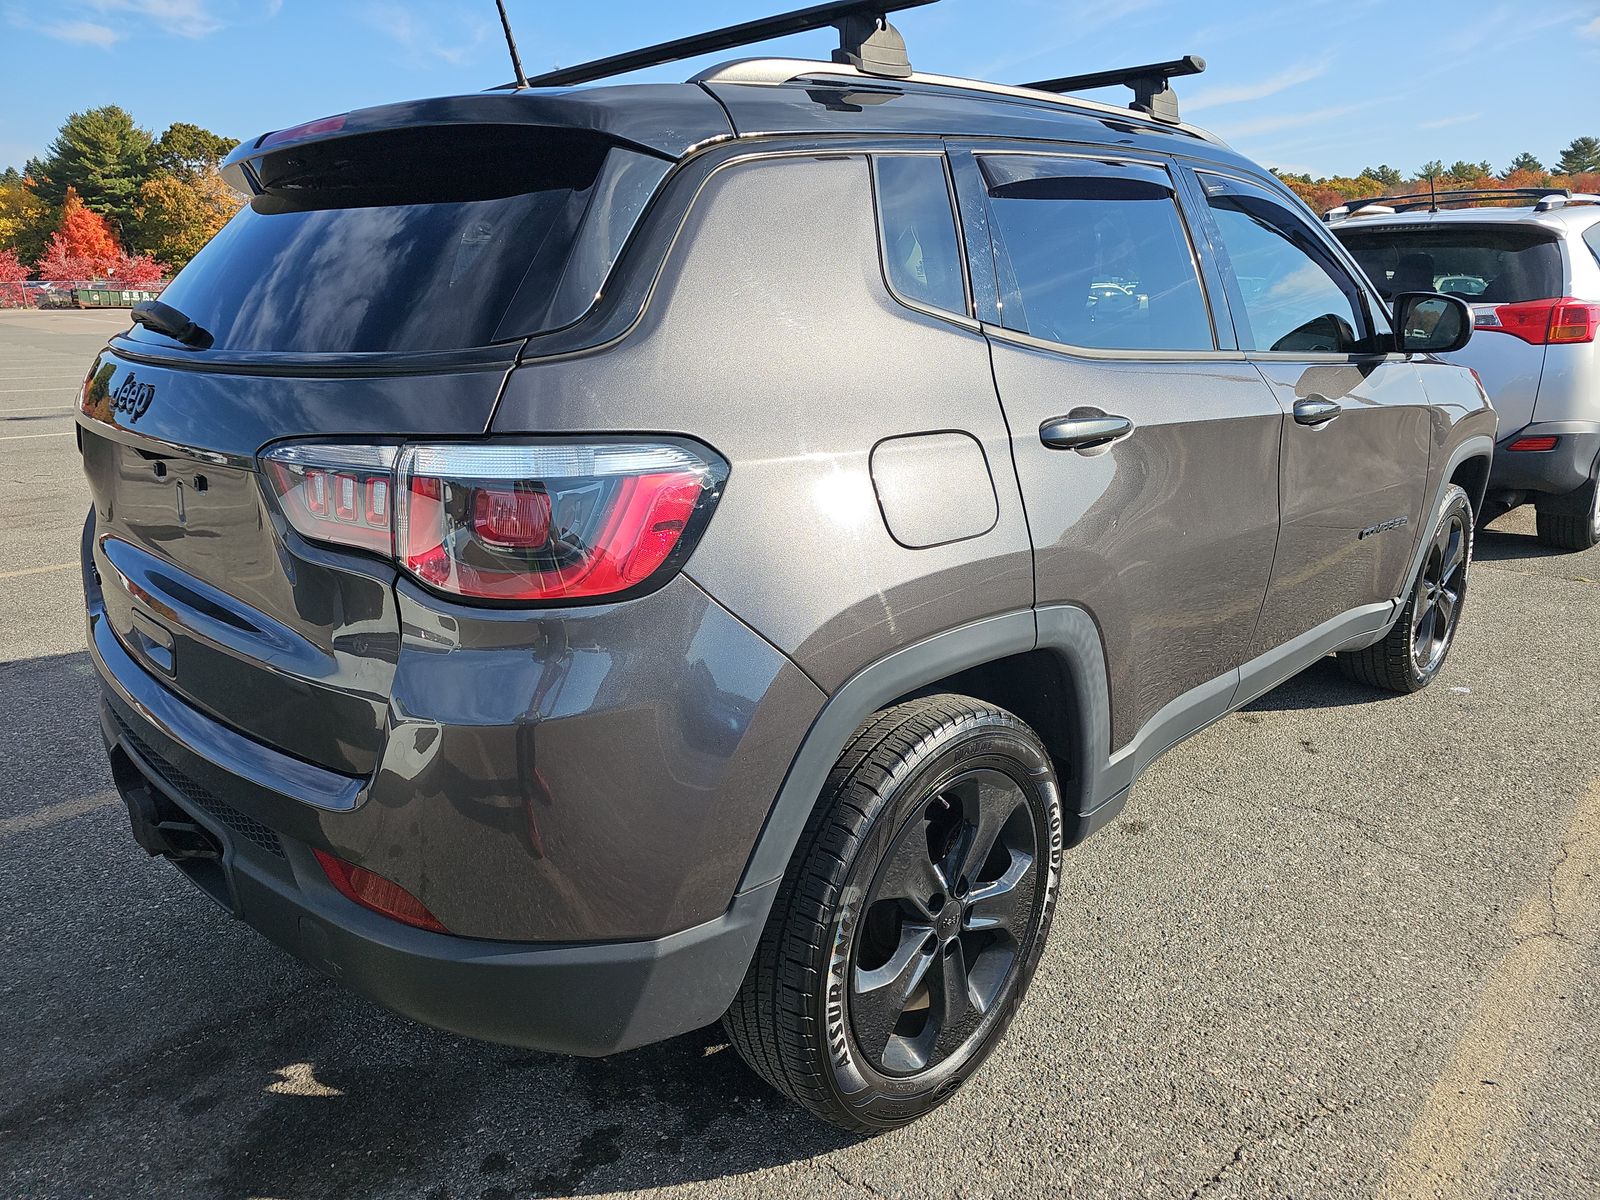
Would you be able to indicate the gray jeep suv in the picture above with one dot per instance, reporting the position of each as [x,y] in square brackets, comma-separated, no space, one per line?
[576,564]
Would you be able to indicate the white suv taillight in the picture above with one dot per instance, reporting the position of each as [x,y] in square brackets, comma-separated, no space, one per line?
[528,522]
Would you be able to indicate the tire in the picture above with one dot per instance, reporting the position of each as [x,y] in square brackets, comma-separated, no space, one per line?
[1573,531]
[883,980]
[1415,649]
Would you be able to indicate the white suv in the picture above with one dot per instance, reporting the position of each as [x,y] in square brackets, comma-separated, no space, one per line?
[1532,276]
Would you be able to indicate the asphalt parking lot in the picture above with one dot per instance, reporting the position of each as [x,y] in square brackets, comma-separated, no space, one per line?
[1340,944]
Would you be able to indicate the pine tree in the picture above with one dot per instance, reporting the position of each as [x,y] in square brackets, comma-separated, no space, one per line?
[1524,162]
[102,156]
[1582,155]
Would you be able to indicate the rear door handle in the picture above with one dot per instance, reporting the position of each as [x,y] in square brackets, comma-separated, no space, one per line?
[1316,410]
[1084,431]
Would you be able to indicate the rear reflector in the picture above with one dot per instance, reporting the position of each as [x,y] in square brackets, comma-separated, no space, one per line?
[371,890]
[1544,322]
[525,522]
[1534,443]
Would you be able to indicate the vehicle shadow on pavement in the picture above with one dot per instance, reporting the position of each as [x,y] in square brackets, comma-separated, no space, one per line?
[1499,545]
[1321,685]
[156,1047]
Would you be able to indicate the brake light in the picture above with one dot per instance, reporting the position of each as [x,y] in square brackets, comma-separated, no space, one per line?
[373,891]
[527,522]
[548,522]
[1544,322]
[309,129]
[1534,444]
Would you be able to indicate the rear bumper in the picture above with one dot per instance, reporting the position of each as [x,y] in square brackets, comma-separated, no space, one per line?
[1547,472]
[261,812]
[585,999]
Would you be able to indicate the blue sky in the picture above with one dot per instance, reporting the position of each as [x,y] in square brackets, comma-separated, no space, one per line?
[1325,86]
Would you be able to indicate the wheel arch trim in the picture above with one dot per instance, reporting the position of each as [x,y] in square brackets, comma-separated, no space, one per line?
[1066,630]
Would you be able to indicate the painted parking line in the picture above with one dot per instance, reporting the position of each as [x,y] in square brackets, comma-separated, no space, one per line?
[24,437]
[54,814]
[67,566]
[1459,1144]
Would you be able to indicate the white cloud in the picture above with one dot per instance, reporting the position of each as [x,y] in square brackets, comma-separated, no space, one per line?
[1591,30]
[1260,90]
[81,33]
[420,34]
[1447,122]
[186,18]
[1277,124]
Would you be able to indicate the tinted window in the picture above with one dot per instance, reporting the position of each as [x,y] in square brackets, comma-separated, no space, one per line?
[413,241]
[920,250]
[1480,264]
[1296,295]
[1094,255]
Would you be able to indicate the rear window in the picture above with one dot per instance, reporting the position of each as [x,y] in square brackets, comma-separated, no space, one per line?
[417,240]
[1480,264]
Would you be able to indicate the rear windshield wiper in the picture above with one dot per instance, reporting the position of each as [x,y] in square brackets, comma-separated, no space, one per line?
[163,318]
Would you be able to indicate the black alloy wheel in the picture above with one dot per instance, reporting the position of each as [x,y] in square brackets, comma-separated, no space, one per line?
[944,922]
[1440,586]
[912,916]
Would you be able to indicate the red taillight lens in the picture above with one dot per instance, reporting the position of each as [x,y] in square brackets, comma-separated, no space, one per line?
[1535,444]
[295,132]
[549,522]
[523,522]
[1545,322]
[336,494]
[1574,321]
[511,518]
[371,890]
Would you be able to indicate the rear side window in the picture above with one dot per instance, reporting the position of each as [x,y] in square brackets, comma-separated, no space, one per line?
[917,226]
[1296,296]
[416,240]
[1481,264]
[1094,255]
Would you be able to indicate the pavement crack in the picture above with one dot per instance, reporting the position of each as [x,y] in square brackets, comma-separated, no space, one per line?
[1293,1127]
[1366,831]
[859,1184]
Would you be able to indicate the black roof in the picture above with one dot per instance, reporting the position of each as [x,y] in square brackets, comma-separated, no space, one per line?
[672,119]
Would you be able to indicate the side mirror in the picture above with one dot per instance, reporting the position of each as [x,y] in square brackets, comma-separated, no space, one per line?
[1429,323]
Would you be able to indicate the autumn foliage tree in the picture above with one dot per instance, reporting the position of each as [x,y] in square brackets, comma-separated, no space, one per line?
[84,248]
[12,273]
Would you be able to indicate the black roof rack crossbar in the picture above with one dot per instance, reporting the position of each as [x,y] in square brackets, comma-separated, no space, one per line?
[1412,201]
[867,41]
[1152,92]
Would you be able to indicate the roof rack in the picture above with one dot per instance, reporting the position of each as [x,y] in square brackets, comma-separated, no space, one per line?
[1544,198]
[1152,91]
[866,41]
[775,71]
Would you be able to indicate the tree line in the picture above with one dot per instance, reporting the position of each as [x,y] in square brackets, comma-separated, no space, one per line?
[1577,168]
[114,202]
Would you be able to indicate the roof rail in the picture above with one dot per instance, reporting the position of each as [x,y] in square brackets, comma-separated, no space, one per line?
[866,41]
[1562,198]
[1433,201]
[1152,91]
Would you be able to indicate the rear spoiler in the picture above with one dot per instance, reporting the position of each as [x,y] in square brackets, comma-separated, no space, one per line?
[666,120]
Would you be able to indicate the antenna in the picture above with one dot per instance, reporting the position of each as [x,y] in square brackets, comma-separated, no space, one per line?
[511,44]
